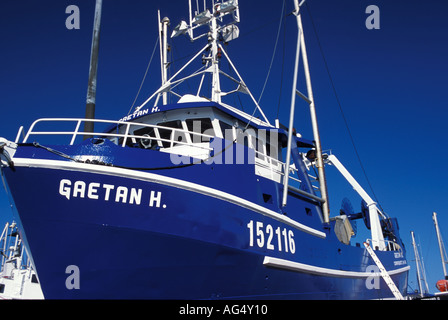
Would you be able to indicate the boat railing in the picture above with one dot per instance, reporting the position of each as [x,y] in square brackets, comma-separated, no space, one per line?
[279,167]
[389,245]
[293,176]
[126,136]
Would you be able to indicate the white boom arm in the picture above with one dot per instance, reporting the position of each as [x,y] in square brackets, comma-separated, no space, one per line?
[375,225]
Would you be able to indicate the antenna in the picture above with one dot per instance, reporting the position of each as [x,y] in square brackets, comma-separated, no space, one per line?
[220,21]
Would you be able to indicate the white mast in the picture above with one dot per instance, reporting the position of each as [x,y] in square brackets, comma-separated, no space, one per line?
[441,246]
[319,162]
[163,43]
[374,212]
[216,85]
[220,28]
[421,277]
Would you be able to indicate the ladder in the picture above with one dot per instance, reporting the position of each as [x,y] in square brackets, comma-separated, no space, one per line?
[390,283]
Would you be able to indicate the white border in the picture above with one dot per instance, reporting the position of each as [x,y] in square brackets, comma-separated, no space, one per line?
[164,180]
[306,268]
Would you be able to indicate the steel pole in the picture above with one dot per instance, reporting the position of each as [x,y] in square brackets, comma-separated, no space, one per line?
[91,88]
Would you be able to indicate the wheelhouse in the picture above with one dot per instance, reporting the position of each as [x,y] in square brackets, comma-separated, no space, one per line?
[197,129]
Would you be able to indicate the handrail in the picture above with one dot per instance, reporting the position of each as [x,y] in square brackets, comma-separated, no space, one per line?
[125,136]
[291,176]
[273,162]
[389,245]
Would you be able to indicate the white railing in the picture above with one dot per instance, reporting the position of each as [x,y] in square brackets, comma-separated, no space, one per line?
[389,245]
[279,167]
[276,166]
[126,135]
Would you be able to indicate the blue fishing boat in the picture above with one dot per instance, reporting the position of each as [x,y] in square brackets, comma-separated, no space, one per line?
[195,199]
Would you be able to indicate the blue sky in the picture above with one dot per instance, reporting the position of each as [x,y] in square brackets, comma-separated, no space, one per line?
[391,83]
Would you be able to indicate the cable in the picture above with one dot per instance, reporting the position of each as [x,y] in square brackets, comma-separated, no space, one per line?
[144,77]
[283,68]
[273,53]
[340,107]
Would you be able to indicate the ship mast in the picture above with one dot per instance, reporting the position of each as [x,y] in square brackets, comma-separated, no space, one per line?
[91,89]
[216,84]
[163,35]
[310,100]
[441,246]
[421,277]
[221,21]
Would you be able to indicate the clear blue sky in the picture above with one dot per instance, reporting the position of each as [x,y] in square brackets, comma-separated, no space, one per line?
[391,84]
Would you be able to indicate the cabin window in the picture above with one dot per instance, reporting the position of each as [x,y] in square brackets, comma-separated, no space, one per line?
[246,141]
[150,138]
[259,146]
[272,152]
[168,134]
[202,126]
[226,130]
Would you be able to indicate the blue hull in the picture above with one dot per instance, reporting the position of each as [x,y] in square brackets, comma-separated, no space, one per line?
[139,235]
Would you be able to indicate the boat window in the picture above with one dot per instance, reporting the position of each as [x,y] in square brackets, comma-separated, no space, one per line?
[200,125]
[272,152]
[257,144]
[148,133]
[166,133]
[227,130]
[246,141]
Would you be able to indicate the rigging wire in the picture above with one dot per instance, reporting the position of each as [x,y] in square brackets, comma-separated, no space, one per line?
[282,15]
[275,50]
[283,69]
[144,77]
[340,106]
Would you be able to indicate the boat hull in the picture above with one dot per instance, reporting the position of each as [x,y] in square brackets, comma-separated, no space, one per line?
[98,232]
